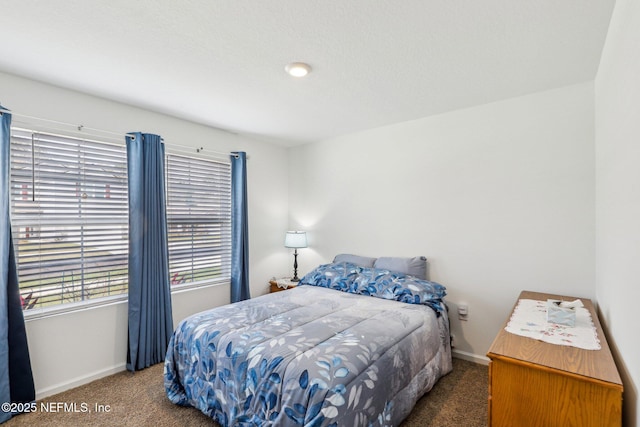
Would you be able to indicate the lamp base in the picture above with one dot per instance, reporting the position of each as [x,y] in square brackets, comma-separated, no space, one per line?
[295,266]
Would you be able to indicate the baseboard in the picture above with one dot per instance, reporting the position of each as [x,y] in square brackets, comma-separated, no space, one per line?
[78,381]
[475,358]
[85,379]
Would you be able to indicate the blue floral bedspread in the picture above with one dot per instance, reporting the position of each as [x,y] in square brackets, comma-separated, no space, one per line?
[309,356]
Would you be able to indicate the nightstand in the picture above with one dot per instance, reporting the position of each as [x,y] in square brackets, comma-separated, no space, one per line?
[278,285]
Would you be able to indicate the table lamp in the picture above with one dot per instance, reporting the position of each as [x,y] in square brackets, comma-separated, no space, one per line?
[295,239]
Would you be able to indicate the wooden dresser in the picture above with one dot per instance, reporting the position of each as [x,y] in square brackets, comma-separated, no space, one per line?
[533,383]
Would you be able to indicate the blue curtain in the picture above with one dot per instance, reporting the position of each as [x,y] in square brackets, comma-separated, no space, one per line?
[239,228]
[16,378]
[150,319]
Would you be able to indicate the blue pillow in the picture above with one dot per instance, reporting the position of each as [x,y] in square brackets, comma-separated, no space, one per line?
[375,282]
[415,266]
[339,276]
[400,287]
[358,260]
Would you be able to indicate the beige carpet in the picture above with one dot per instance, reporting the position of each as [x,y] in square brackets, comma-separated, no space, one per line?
[458,399]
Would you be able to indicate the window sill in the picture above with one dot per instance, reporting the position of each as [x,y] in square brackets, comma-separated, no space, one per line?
[178,289]
[74,307]
[41,313]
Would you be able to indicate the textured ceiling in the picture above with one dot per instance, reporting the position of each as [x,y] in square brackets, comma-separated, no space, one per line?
[221,63]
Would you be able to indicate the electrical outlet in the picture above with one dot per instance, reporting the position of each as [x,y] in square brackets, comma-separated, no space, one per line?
[463,312]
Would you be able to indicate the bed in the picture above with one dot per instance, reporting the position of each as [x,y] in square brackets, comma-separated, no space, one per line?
[351,345]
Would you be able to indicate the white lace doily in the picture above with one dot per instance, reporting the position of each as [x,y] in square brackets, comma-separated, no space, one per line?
[529,319]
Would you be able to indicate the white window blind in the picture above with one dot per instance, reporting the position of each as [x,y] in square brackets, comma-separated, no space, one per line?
[69,213]
[198,219]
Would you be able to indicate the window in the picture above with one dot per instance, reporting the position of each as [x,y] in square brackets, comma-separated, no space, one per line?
[198,219]
[69,214]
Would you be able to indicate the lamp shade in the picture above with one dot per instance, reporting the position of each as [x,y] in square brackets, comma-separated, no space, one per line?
[295,239]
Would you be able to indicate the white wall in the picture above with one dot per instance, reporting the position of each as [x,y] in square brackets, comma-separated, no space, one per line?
[500,198]
[617,107]
[71,349]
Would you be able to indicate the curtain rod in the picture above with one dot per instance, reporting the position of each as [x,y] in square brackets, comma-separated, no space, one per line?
[81,128]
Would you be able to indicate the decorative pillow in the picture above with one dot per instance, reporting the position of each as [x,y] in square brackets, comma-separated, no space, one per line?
[358,260]
[400,287]
[339,276]
[375,282]
[416,266]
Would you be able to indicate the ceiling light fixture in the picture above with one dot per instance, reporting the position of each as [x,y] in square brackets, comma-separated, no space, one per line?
[298,69]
